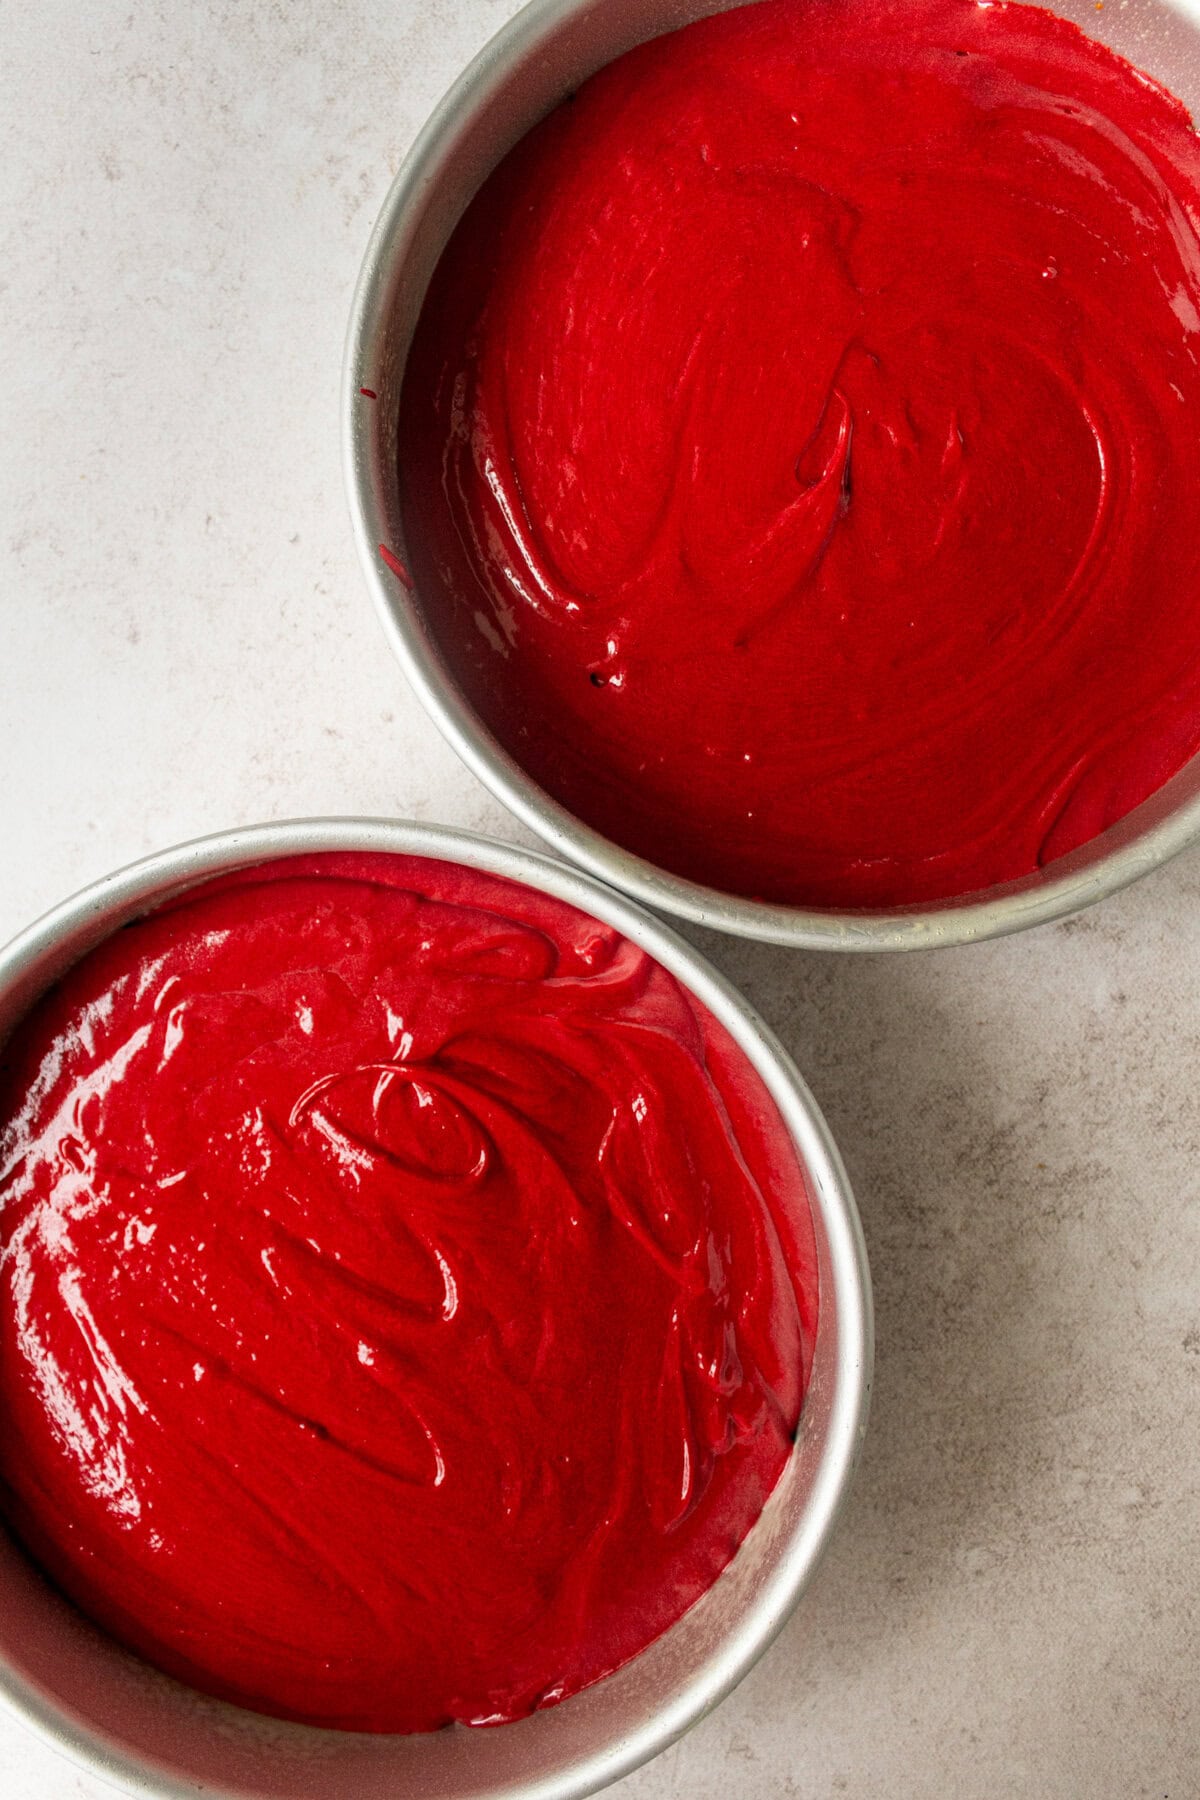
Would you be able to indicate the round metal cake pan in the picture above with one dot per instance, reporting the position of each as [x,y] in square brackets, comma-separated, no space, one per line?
[149,1734]
[538,58]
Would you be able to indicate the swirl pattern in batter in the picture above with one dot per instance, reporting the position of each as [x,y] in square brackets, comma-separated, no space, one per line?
[407,1293]
[800,445]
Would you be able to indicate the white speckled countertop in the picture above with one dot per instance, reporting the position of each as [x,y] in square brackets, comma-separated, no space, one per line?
[1011,1605]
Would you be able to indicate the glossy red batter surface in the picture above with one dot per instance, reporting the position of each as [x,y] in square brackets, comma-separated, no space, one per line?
[406,1293]
[800,448]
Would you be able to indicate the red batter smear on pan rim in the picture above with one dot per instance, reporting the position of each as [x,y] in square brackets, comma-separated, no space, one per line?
[407,1293]
[823,377]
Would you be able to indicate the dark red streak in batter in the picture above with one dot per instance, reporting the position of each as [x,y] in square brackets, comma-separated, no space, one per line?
[801,443]
[406,1293]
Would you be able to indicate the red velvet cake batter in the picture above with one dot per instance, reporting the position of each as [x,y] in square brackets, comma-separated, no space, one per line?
[800,448]
[406,1293]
